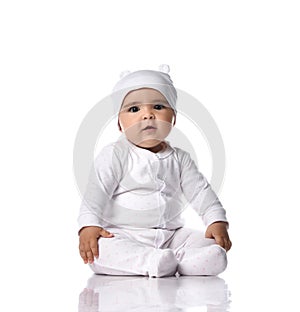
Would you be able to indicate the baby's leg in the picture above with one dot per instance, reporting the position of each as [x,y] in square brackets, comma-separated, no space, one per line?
[123,256]
[197,255]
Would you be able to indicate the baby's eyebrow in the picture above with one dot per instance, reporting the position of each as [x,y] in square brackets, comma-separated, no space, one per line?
[131,104]
[159,101]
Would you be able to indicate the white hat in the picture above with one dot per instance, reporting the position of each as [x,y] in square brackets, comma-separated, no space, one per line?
[158,80]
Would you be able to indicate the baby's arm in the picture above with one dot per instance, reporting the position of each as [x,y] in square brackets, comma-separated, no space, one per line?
[101,185]
[205,202]
[88,242]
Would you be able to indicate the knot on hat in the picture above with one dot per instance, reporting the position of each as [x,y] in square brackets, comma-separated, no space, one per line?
[164,68]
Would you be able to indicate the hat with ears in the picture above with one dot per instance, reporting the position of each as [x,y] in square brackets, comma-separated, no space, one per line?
[158,80]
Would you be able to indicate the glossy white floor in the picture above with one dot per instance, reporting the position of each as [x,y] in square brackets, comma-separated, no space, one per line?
[111,293]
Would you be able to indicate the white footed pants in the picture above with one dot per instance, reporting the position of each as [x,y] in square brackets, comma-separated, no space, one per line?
[158,253]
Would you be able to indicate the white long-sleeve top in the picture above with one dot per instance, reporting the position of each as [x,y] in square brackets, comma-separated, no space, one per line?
[132,187]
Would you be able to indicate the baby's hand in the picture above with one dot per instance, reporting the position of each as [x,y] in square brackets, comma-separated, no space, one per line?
[218,231]
[88,242]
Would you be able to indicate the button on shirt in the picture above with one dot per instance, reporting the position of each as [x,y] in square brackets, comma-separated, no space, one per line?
[132,187]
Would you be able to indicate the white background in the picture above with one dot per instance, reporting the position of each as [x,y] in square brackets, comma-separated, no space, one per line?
[240,59]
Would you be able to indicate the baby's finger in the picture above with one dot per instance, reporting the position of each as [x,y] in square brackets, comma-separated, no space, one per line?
[90,256]
[105,233]
[220,241]
[83,254]
[94,248]
[228,245]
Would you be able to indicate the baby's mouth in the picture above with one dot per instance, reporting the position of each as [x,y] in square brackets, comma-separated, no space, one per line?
[149,128]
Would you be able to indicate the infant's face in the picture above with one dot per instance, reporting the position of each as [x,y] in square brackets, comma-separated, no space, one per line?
[146,117]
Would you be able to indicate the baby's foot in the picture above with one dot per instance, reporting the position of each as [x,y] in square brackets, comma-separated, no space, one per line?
[209,260]
[163,263]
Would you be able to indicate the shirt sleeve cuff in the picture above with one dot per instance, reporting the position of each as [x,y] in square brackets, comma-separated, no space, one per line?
[218,215]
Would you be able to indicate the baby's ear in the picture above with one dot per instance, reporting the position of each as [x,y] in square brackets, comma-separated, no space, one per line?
[174,121]
[120,129]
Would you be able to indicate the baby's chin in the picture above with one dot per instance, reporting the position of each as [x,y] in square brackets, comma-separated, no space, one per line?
[149,143]
[152,145]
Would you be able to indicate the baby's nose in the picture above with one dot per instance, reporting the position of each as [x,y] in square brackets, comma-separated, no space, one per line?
[148,114]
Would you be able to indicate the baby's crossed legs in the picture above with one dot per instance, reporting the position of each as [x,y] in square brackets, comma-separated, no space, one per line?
[183,250]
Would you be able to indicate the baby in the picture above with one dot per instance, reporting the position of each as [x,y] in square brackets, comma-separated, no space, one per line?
[130,218]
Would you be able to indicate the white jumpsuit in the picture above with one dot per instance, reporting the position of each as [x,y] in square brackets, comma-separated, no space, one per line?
[138,196]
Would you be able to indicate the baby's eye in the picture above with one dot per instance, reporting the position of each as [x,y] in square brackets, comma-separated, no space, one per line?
[159,106]
[133,109]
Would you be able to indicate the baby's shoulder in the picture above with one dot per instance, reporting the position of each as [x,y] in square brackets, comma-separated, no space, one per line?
[180,153]
[111,151]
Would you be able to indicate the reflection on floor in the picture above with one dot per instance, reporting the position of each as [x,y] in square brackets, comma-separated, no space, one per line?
[137,293]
